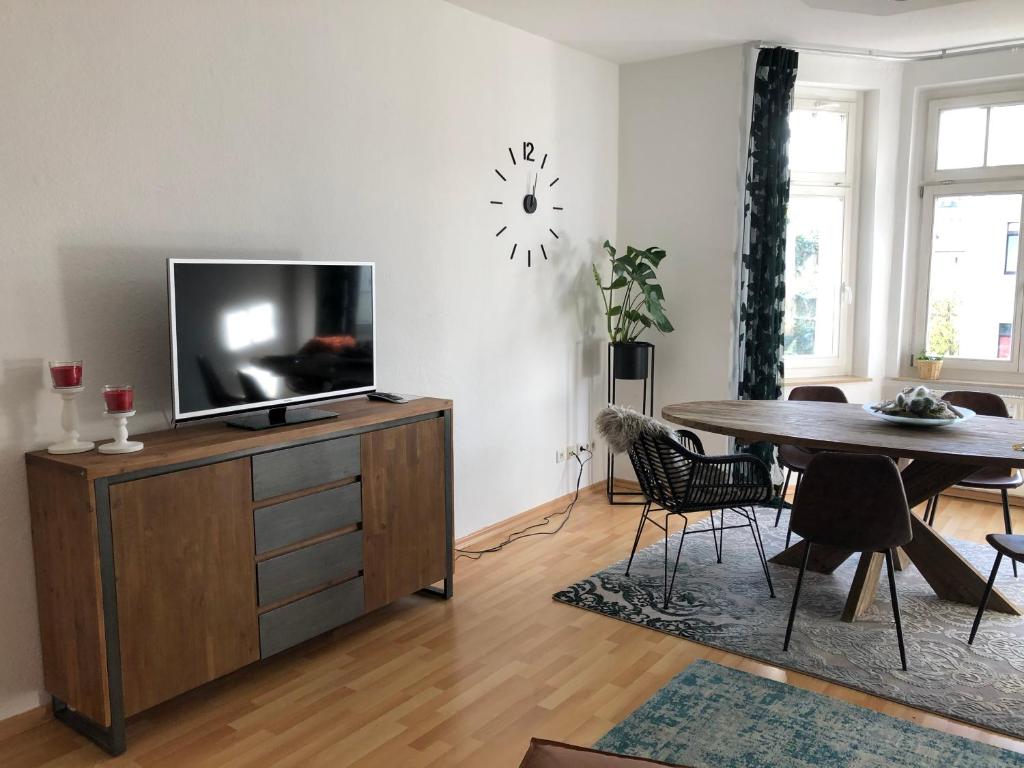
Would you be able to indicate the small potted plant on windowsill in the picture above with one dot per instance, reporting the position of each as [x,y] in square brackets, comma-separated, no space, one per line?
[636,307]
[928,366]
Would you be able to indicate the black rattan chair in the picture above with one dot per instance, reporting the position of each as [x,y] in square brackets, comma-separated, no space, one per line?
[854,502]
[677,477]
[990,478]
[793,458]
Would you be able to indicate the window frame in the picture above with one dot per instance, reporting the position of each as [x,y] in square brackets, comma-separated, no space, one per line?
[1006,249]
[831,184]
[980,172]
[979,180]
[963,189]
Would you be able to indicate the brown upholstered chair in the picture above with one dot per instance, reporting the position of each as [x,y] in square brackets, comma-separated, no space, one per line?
[553,754]
[1004,544]
[854,502]
[994,479]
[792,458]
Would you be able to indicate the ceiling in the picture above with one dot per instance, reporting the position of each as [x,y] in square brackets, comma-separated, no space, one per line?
[635,30]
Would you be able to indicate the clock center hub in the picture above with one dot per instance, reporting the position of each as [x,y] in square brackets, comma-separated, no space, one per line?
[530,203]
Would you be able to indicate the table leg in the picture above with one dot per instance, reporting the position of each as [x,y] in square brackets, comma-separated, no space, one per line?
[864,586]
[902,560]
[945,570]
[824,559]
[950,575]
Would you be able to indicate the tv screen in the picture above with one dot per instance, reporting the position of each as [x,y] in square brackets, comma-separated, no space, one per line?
[248,335]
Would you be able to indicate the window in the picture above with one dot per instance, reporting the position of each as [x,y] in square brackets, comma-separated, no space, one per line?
[823,149]
[979,137]
[972,203]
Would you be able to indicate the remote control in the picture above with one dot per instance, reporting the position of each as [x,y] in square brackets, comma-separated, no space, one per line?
[389,397]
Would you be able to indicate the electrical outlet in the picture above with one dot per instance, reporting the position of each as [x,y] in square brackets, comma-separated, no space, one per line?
[560,454]
[580,448]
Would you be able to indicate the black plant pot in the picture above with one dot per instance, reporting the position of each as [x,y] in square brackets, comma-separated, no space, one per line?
[630,359]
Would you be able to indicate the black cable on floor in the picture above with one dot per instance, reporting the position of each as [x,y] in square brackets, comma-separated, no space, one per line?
[476,554]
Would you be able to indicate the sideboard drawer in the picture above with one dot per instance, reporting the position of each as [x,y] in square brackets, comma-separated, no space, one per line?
[291,624]
[305,466]
[303,518]
[286,575]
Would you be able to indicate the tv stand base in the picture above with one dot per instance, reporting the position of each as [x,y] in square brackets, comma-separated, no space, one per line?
[279,417]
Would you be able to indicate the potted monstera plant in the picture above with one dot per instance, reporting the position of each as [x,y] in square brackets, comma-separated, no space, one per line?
[633,302]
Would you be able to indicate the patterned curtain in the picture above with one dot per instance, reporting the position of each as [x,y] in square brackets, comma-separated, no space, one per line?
[763,274]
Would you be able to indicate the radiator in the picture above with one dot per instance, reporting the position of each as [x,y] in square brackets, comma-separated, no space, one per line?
[1015,405]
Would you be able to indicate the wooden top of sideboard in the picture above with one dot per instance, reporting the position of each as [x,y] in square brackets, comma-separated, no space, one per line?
[210,439]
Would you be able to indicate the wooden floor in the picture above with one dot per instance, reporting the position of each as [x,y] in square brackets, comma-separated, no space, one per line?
[459,683]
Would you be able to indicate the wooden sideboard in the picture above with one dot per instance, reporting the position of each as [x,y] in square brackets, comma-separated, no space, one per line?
[216,547]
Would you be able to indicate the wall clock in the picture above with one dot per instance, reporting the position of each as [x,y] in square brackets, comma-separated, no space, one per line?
[528,202]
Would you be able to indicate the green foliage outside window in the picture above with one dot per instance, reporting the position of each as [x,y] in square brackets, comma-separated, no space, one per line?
[801,326]
[943,334]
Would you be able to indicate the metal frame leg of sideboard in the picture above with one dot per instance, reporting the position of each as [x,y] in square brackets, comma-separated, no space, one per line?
[443,592]
[448,590]
[110,739]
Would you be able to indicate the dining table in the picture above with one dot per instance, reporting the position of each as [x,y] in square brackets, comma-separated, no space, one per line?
[932,459]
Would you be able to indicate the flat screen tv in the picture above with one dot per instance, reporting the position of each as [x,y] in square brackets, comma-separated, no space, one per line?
[258,336]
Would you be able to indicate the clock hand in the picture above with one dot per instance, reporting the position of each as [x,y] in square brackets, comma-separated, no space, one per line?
[536,176]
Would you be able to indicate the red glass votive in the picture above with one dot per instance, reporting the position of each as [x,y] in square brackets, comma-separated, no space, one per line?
[118,397]
[66,373]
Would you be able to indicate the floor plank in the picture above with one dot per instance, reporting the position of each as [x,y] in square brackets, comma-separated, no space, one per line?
[426,683]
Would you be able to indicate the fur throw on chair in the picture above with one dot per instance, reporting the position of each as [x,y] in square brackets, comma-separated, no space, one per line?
[621,426]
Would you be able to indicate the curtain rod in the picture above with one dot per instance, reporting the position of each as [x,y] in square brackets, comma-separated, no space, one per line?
[866,53]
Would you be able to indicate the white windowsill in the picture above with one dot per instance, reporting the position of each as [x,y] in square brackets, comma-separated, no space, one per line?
[796,381]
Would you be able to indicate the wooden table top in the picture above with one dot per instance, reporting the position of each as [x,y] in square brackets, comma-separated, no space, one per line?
[982,441]
[214,437]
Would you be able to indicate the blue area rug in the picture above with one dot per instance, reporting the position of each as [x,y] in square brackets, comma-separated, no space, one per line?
[726,605]
[711,716]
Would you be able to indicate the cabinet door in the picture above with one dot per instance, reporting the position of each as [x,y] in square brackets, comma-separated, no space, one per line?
[403,510]
[186,581]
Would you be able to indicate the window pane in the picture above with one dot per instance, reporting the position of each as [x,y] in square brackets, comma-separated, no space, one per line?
[817,141]
[970,293]
[961,138]
[1006,135]
[1012,245]
[814,275]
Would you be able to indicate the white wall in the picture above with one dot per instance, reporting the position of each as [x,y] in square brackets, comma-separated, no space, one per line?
[132,132]
[682,140]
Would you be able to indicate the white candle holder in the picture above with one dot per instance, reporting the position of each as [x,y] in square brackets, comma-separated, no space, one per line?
[69,421]
[121,442]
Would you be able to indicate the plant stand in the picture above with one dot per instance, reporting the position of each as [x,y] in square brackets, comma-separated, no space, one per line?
[647,408]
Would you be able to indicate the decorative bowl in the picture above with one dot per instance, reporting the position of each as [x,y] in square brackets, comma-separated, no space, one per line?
[914,421]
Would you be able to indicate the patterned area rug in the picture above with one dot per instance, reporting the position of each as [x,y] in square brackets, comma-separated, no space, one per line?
[727,606]
[715,717]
